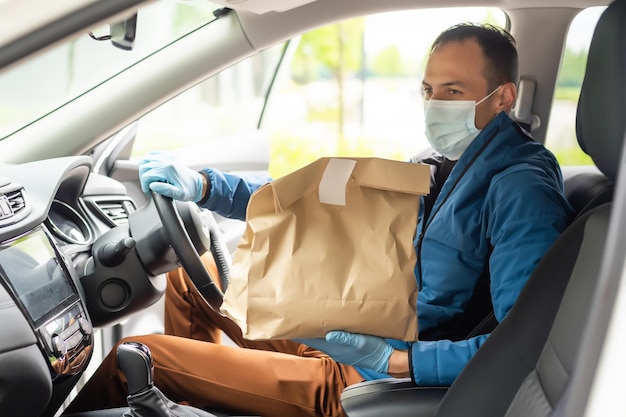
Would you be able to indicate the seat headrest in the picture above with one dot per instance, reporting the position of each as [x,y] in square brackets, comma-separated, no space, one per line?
[601,114]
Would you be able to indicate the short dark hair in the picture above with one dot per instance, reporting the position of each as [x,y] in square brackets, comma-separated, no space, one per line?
[498,46]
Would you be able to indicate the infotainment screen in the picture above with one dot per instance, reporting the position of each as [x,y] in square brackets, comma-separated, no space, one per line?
[31,267]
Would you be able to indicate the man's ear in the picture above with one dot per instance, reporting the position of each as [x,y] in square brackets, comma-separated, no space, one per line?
[507,96]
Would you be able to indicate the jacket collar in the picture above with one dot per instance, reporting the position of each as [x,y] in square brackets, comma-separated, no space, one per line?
[496,125]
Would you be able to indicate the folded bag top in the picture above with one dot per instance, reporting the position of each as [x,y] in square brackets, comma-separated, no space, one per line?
[377,173]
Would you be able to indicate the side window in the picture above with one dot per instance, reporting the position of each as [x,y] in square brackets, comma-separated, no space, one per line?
[561,134]
[214,123]
[354,88]
[346,89]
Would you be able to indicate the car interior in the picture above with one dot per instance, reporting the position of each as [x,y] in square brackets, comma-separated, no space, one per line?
[549,357]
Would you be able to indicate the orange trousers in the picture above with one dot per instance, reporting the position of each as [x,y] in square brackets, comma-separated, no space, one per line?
[265,378]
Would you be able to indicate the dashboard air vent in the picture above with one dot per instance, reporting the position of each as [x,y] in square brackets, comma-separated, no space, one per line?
[16,201]
[116,212]
[13,204]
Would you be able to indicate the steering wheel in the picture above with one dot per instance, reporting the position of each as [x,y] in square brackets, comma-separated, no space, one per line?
[188,256]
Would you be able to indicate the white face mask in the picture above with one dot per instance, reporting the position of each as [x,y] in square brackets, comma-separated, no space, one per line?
[450,125]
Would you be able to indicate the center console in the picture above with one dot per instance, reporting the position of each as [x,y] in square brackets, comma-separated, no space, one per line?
[38,277]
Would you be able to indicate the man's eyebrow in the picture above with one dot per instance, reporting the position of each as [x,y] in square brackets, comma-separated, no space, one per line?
[446,84]
[457,82]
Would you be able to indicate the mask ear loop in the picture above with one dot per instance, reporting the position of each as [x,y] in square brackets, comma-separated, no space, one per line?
[489,95]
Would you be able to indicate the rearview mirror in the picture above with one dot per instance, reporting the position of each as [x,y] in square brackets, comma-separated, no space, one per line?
[123,33]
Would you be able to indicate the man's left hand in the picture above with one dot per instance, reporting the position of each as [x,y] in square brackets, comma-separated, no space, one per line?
[361,350]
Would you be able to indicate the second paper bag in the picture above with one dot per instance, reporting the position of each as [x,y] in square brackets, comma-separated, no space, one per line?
[330,247]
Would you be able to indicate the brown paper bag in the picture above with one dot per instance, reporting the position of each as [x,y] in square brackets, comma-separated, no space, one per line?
[330,247]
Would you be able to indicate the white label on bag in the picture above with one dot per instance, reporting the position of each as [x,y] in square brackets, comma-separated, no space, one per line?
[333,184]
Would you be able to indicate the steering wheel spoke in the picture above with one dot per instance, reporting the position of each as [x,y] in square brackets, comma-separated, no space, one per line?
[186,252]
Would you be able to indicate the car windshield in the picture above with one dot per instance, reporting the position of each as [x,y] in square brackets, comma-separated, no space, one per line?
[41,84]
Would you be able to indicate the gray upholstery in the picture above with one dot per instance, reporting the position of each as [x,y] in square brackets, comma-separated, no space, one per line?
[526,348]
[390,397]
[600,118]
[524,367]
[587,190]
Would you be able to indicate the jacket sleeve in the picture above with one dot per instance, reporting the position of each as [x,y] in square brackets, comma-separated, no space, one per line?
[524,212]
[229,194]
[438,363]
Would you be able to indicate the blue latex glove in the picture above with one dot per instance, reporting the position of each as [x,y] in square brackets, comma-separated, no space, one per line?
[361,350]
[164,174]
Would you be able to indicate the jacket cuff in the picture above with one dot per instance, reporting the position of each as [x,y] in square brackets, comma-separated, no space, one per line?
[411,372]
[425,364]
[207,194]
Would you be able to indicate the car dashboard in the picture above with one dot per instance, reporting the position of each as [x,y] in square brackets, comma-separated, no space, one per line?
[63,274]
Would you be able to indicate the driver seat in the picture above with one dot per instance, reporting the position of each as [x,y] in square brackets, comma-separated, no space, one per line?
[525,366]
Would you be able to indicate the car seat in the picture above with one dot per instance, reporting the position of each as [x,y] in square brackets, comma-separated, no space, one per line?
[525,366]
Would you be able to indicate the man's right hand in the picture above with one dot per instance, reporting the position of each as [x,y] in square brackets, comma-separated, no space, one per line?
[164,174]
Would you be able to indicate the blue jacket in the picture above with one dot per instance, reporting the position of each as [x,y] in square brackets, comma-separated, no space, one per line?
[500,209]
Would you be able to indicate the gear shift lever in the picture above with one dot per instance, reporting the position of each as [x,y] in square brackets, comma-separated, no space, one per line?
[144,399]
[135,361]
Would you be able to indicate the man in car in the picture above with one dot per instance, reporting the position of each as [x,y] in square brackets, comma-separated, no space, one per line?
[486,226]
